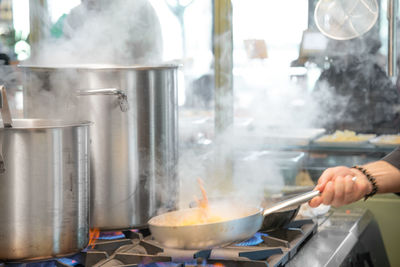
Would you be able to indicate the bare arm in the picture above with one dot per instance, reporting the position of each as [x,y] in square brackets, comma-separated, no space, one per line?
[387,176]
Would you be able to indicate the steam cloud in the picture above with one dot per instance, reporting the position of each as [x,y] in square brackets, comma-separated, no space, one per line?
[112,32]
[278,107]
[357,95]
[122,33]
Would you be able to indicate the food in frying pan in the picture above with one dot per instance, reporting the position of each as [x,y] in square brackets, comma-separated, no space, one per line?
[217,213]
[198,216]
[204,213]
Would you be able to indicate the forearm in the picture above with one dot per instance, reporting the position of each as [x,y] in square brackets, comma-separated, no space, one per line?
[387,176]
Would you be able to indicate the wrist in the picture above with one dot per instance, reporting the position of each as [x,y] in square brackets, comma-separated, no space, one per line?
[372,187]
[360,176]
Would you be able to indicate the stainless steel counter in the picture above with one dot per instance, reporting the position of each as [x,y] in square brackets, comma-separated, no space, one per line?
[344,238]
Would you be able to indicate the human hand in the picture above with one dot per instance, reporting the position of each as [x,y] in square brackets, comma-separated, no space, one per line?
[338,187]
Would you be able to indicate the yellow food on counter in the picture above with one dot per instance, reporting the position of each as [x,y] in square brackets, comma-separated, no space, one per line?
[389,139]
[345,136]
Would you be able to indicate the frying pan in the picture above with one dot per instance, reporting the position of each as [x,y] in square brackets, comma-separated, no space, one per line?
[240,223]
[274,220]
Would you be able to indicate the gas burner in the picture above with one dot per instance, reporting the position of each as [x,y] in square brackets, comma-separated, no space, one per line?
[110,235]
[253,241]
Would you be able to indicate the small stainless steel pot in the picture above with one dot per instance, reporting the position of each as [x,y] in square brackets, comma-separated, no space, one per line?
[44,189]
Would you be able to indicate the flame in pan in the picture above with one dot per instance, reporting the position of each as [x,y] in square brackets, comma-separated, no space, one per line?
[202,203]
[203,214]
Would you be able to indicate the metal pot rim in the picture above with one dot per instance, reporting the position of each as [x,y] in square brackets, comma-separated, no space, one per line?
[100,66]
[31,124]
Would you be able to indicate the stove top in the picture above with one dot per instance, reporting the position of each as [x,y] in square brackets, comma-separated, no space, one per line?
[137,248]
[339,238]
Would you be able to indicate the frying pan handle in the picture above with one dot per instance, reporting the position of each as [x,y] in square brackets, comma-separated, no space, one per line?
[300,199]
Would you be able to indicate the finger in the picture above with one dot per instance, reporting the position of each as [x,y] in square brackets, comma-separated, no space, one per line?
[327,195]
[326,176]
[349,184]
[315,202]
[330,174]
[339,192]
[319,187]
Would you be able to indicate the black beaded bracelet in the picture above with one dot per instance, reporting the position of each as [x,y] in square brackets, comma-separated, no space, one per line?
[371,179]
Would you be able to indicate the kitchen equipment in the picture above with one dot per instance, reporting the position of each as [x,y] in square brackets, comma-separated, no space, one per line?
[134,147]
[345,19]
[243,222]
[44,188]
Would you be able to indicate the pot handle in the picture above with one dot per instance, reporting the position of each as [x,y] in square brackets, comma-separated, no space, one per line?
[4,108]
[2,164]
[122,97]
[7,122]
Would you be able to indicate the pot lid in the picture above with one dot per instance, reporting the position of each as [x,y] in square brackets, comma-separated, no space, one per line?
[101,66]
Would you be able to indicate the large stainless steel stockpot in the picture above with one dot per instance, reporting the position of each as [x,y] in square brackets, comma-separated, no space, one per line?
[44,189]
[134,135]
